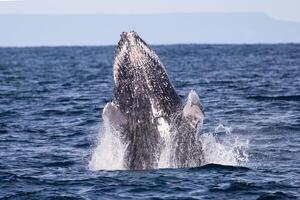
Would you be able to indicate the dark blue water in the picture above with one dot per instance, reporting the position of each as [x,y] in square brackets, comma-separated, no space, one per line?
[51,101]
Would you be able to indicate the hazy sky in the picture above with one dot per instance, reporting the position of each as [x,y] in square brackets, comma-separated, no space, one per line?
[279,9]
[200,21]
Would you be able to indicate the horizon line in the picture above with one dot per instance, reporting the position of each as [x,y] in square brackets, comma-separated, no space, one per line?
[146,14]
[153,44]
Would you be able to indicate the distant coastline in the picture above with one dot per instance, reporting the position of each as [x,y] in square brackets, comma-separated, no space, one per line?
[104,29]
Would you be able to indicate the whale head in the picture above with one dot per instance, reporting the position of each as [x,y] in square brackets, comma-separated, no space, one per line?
[140,78]
[131,52]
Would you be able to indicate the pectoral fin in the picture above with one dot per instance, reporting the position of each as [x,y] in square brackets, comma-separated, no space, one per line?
[112,113]
[193,111]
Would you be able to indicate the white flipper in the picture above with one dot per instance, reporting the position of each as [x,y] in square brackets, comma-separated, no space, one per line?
[114,115]
[192,110]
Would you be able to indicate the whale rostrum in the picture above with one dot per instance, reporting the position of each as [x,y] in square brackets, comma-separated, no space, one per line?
[148,112]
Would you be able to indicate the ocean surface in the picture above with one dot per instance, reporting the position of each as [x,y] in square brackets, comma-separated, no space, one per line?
[51,101]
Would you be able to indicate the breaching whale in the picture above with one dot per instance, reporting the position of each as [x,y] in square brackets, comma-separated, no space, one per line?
[148,112]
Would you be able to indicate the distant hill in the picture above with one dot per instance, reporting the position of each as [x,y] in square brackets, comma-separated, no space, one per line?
[49,30]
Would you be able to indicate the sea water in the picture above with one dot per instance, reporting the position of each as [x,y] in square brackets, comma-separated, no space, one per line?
[55,145]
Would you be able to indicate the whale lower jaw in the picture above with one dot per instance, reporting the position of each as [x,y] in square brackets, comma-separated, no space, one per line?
[156,128]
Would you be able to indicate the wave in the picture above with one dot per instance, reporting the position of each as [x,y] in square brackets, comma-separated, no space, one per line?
[275,98]
[276,195]
[66,163]
[219,167]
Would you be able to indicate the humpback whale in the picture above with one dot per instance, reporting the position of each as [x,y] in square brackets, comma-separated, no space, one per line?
[148,112]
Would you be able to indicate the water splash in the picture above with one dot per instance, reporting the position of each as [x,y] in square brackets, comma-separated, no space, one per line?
[109,152]
[228,149]
[219,147]
[165,156]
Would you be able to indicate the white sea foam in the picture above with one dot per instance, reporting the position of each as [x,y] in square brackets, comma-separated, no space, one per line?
[109,152]
[228,149]
[165,155]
